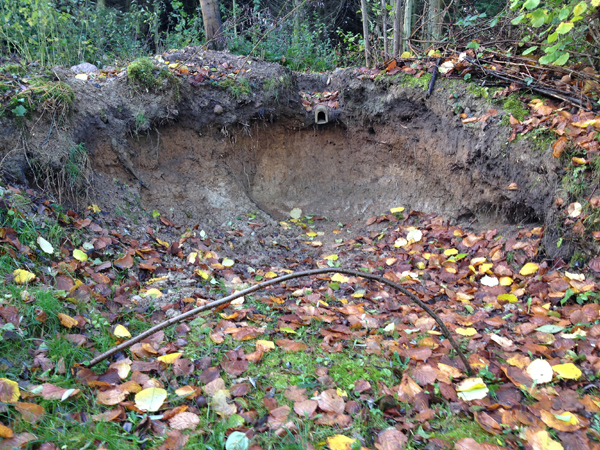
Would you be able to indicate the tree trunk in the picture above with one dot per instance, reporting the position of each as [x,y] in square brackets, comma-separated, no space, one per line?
[434,25]
[100,5]
[365,19]
[407,32]
[384,14]
[397,31]
[211,17]
[296,31]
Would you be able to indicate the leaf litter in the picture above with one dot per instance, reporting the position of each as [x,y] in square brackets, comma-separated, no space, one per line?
[331,361]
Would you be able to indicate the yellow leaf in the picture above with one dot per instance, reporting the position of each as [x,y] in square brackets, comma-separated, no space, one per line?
[331,257]
[529,269]
[311,234]
[595,3]
[122,332]
[420,265]
[341,392]
[80,255]
[358,295]
[170,358]
[568,371]
[406,55]
[227,262]
[339,278]
[506,281]
[265,345]
[451,252]
[94,208]
[202,274]
[466,331]
[397,209]
[9,391]
[23,276]
[477,261]
[150,399]
[66,320]
[510,298]
[163,243]
[154,293]
[269,275]
[339,441]
[154,280]
[191,259]
[485,267]
[287,330]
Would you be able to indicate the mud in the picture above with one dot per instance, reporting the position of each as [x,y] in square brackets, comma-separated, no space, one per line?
[385,146]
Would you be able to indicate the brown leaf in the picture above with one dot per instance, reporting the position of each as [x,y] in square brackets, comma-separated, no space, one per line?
[51,392]
[17,441]
[214,386]
[126,262]
[235,368]
[184,421]
[306,408]
[30,412]
[112,415]
[295,394]
[291,346]
[391,439]
[330,401]
[183,367]
[111,396]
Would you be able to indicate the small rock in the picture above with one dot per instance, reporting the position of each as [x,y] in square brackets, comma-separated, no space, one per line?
[84,68]
[218,110]
[467,110]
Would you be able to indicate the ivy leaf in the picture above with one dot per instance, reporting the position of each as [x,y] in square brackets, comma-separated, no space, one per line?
[564,13]
[517,20]
[530,50]
[562,59]
[579,9]
[564,27]
[531,4]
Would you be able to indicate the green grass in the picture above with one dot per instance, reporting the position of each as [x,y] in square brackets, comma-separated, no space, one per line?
[237,88]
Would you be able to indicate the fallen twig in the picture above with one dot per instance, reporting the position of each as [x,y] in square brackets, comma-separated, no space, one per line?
[278,280]
[434,76]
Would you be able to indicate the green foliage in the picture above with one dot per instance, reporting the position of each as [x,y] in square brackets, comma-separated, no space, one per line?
[305,48]
[563,26]
[41,94]
[237,87]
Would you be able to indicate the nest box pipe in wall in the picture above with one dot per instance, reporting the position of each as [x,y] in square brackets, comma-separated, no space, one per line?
[321,115]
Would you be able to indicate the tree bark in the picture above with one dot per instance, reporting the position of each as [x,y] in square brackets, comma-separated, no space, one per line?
[365,19]
[384,14]
[397,31]
[434,19]
[407,30]
[211,16]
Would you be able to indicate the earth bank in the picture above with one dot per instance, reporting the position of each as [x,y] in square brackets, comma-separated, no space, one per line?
[206,152]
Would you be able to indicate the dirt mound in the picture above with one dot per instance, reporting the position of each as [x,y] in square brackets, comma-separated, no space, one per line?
[208,151]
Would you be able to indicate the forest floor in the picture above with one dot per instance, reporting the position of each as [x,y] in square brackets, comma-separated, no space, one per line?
[323,361]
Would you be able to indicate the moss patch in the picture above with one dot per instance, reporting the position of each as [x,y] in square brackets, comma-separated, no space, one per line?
[414,82]
[515,107]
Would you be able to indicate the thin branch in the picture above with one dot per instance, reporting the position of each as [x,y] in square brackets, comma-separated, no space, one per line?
[278,280]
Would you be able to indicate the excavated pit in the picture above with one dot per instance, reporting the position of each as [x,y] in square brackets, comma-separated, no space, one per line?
[208,157]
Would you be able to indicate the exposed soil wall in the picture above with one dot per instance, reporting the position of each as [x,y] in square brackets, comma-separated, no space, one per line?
[204,155]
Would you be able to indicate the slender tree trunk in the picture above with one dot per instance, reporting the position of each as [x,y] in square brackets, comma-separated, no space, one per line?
[384,14]
[407,32]
[296,32]
[397,31]
[365,19]
[434,25]
[211,16]
[234,10]
[100,5]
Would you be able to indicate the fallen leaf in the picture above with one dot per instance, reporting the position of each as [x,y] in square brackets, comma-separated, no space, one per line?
[340,442]
[170,358]
[80,255]
[529,269]
[472,389]
[67,320]
[122,332]
[540,371]
[9,391]
[23,276]
[184,421]
[220,404]
[150,399]
[568,371]
[45,245]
